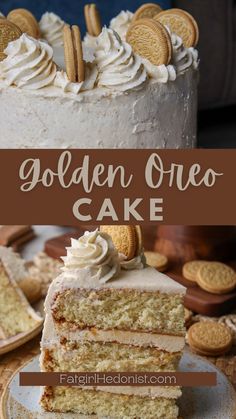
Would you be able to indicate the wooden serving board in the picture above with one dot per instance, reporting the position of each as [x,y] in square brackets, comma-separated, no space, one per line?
[196,299]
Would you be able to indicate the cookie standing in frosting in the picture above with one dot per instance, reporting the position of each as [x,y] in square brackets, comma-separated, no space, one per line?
[29,64]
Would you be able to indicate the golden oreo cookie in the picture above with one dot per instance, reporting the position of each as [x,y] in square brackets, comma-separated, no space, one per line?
[190,269]
[123,237]
[8,32]
[181,23]
[148,10]
[150,40]
[92,19]
[75,68]
[26,21]
[210,338]
[156,260]
[216,278]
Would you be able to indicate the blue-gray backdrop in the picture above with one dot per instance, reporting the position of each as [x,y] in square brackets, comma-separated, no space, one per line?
[72,11]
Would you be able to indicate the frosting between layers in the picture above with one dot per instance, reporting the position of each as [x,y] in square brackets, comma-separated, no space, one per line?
[29,64]
[93,253]
[51,27]
[168,343]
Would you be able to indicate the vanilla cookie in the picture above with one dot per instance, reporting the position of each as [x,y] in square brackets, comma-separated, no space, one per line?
[216,278]
[210,338]
[150,40]
[26,21]
[8,32]
[92,19]
[75,68]
[148,10]
[191,268]
[156,260]
[123,237]
[181,23]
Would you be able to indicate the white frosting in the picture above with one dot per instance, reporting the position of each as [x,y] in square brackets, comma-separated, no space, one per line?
[119,68]
[160,73]
[28,64]
[66,85]
[138,262]
[51,27]
[93,253]
[121,23]
[1,15]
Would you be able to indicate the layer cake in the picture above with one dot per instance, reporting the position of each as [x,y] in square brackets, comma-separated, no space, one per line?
[150,106]
[101,317]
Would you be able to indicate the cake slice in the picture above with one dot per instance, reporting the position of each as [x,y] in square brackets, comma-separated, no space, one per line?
[101,317]
[16,314]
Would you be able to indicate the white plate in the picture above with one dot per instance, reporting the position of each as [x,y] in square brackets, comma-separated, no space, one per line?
[7,345]
[196,403]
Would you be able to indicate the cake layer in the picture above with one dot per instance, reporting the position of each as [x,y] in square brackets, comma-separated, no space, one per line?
[16,314]
[50,118]
[106,357]
[102,404]
[120,309]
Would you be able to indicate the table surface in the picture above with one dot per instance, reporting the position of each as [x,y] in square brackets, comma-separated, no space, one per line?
[12,361]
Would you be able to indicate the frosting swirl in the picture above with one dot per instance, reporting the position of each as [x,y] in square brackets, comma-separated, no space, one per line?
[121,22]
[160,73]
[138,262]
[51,27]
[118,67]
[182,57]
[28,64]
[93,251]
[66,85]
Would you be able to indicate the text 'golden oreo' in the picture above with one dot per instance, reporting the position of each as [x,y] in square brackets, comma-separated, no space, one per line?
[148,10]
[26,21]
[8,32]
[181,23]
[150,40]
[75,67]
[92,19]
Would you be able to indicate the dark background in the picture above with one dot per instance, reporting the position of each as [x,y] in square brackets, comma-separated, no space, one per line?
[217,50]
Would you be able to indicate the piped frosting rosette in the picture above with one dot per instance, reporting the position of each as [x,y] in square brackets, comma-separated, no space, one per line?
[118,67]
[29,64]
[95,252]
[121,22]
[51,27]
